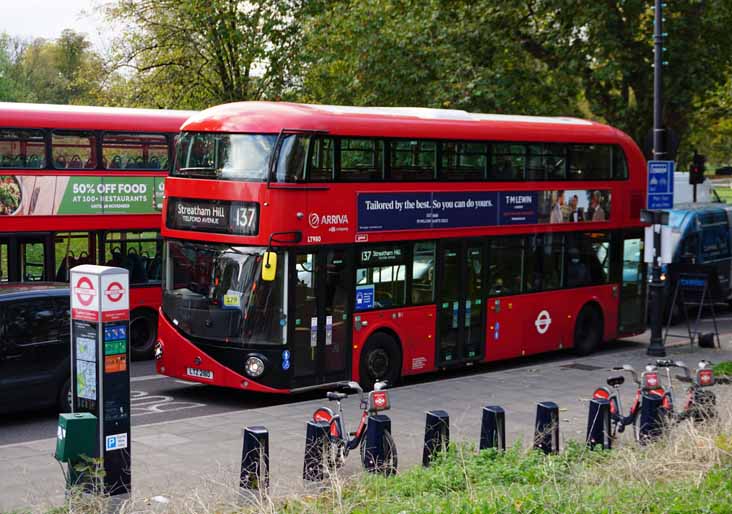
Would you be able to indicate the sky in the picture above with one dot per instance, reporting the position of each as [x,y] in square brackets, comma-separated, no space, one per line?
[48,18]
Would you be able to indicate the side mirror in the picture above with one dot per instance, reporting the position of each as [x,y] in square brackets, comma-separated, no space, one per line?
[269,268]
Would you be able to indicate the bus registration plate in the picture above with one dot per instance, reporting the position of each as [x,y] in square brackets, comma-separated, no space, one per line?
[199,373]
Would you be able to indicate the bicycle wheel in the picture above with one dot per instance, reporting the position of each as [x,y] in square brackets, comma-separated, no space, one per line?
[389,451]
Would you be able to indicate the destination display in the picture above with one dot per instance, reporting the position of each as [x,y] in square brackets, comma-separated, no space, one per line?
[47,195]
[240,218]
[434,210]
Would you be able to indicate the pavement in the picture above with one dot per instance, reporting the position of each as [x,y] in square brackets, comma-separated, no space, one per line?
[193,463]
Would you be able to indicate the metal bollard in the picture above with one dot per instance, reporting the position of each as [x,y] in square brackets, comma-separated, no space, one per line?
[546,432]
[651,423]
[493,428]
[598,424]
[436,435]
[375,451]
[255,459]
[316,447]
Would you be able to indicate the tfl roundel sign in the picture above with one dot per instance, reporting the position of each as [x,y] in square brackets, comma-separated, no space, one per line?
[114,292]
[84,291]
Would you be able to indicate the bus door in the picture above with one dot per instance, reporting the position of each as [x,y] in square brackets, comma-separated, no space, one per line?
[321,317]
[632,308]
[460,303]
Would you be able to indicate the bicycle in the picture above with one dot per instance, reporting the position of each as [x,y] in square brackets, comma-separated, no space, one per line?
[343,442]
[700,404]
[647,383]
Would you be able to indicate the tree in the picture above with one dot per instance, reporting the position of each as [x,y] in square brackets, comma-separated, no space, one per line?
[197,53]
[434,53]
[64,71]
[519,56]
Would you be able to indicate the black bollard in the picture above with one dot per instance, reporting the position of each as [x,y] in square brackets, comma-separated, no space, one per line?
[598,424]
[546,432]
[651,422]
[493,428]
[316,448]
[376,455]
[436,435]
[255,459]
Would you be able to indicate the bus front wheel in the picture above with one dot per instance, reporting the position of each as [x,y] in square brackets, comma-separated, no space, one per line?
[588,330]
[143,331]
[380,360]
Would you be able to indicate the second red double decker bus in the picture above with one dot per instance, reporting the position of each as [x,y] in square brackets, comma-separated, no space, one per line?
[310,244]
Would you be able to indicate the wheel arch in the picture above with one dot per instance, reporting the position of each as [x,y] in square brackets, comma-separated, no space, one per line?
[386,330]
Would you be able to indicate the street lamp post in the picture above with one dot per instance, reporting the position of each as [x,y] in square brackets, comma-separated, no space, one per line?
[656,347]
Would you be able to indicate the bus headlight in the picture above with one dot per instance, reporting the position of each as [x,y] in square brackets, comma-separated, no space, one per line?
[254,366]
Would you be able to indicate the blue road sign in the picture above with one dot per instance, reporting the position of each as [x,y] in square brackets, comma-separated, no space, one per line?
[660,184]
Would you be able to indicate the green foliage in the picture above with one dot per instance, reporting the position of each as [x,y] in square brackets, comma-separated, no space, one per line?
[62,71]
[723,368]
[198,53]
[425,53]
[532,57]
[520,481]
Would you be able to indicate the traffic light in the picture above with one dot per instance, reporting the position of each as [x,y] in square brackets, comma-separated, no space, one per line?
[696,172]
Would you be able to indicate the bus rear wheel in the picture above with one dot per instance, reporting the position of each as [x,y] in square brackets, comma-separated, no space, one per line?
[588,330]
[380,360]
[143,331]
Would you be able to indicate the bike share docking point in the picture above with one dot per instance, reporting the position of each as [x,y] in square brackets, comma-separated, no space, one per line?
[316,444]
[598,424]
[651,422]
[375,455]
[100,373]
[436,435]
[546,433]
[255,459]
[493,428]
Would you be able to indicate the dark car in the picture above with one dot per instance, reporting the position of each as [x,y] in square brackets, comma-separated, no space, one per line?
[724,170]
[34,346]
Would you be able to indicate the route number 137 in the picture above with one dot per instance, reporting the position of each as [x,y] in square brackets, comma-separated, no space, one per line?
[245,220]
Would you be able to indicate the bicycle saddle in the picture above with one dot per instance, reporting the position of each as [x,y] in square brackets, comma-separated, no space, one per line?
[336,396]
[615,380]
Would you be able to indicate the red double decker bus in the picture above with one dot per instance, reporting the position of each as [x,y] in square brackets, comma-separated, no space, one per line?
[310,244]
[84,185]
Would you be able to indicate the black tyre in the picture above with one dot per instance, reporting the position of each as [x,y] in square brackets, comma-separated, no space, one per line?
[63,402]
[143,332]
[588,330]
[381,359]
[389,451]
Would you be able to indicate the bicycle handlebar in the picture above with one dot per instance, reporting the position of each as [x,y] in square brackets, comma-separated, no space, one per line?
[629,369]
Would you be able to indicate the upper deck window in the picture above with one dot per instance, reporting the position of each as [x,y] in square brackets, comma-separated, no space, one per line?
[134,151]
[362,160]
[590,162]
[412,160]
[224,156]
[74,150]
[22,148]
[463,161]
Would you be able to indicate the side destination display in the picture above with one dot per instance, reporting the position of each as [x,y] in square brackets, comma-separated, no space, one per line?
[240,218]
[427,210]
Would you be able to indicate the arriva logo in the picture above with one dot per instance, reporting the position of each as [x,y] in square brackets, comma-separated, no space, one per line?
[315,220]
[543,320]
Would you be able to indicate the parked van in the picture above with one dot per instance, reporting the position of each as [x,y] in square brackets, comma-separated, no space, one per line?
[701,235]
[684,192]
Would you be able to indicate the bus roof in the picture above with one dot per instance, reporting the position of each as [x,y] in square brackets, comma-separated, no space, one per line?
[78,117]
[417,122]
